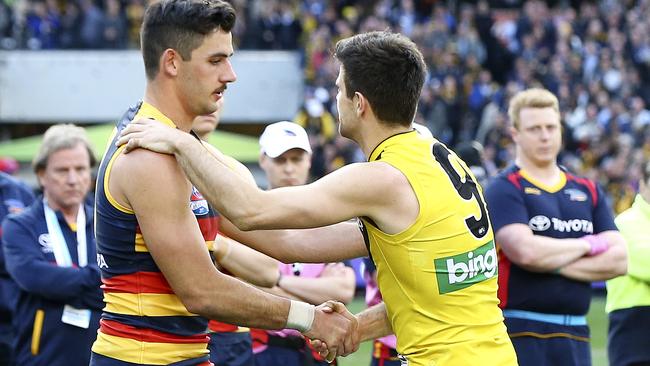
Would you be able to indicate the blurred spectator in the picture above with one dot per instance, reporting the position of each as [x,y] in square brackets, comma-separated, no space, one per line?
[50,253]
[628,297]
[8,165]
[14,197]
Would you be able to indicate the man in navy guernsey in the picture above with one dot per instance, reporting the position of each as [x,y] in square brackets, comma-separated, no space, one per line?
[14,197]
[555,233]
[50,253]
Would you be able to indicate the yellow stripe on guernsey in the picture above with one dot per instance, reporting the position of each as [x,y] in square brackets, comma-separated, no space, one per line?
[140,246]
[36,333]
[438,280]
[145,304]
[548,188]
[146,111]
[149,353]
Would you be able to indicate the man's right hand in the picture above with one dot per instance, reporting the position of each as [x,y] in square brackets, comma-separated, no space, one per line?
[335,328]
[151,135]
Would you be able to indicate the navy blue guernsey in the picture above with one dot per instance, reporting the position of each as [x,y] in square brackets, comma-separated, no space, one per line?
[572,209]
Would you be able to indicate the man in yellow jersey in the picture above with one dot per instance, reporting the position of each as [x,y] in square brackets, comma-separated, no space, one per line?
[420,209]
[159,281]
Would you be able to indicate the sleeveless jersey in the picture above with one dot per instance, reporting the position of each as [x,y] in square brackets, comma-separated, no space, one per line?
[143,322]
[438,277]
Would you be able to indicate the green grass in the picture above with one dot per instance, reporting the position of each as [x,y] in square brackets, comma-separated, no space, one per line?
[597,322]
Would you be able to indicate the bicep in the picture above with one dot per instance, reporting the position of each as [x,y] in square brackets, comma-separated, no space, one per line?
[160,201]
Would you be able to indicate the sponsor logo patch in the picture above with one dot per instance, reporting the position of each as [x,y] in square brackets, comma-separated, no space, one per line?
[532,190]
[460,271]
[576,194]
[199,207]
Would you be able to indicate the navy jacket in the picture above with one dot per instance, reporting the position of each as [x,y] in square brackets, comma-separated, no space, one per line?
[15,196]
[45,288]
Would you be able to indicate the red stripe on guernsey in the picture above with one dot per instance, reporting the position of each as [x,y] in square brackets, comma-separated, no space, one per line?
[138,283]
[514,179]
[591,186]
[260,337]
[209,227]
[504,276]
[117,329]
[206,363]
[220,327]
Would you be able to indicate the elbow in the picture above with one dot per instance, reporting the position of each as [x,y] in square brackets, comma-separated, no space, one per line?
[523,258]
[245,221]
[195,303]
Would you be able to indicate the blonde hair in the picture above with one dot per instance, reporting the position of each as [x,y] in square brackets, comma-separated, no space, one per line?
[60,137]
[531,98]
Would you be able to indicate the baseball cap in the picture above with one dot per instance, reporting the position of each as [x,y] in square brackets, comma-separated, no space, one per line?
[282,136]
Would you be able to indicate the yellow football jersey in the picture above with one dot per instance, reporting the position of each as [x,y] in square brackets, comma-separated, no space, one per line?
[438,277]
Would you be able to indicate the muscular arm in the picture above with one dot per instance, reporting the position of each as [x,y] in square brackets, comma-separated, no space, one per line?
[373,322]
[607,265]
[538,253]
[246,263]
[332,243]
[160,201]
[352,191]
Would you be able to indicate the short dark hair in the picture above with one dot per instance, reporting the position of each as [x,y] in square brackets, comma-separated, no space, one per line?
[180,25]
[388,69]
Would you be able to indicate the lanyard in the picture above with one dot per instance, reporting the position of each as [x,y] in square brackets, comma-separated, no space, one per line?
[57,240]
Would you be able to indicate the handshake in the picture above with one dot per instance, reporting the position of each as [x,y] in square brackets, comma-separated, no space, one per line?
[332,329]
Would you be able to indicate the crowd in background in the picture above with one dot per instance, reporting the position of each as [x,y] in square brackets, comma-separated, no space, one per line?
[595,56]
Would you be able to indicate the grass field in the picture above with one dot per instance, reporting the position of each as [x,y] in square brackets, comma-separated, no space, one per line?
[597,322]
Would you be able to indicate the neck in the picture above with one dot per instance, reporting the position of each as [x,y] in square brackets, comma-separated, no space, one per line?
[548,173]
[370,138]
[165,99]
[69,212]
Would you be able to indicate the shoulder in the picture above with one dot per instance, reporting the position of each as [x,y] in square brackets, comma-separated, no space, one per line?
[141,163]
[9,182]
[508,179]
[26,218]
[629,216]
[146,175]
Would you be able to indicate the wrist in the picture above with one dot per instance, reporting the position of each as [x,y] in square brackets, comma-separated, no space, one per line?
[223,250]
[597,244]
[301,316]
[277,283]
[182,144]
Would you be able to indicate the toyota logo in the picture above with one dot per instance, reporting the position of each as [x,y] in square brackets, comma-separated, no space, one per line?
[539,223]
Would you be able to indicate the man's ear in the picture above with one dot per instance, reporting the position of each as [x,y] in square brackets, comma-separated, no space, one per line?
[360,104]
[170,62]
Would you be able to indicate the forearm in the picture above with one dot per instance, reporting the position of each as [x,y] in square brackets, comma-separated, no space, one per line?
[605,266]
[233,301]
[248,264]
[373,323]
[275,290]
[318,290]
[332,243]
[225,189]
[544,254]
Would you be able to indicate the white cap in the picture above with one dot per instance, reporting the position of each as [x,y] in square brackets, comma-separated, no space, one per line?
[280,137]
